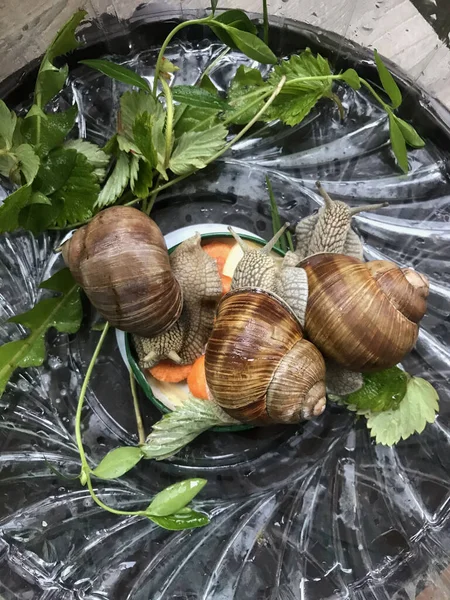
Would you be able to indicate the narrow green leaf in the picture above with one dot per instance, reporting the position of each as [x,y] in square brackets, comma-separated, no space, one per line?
[116,182]
[351,77]
[188,519]
[63,312]
[388,82]
[252,46]
[398,143]
[214,6]
[117,462]
[118,72]
[410,135]
[266,22]
[175,497]
[276,221]
[197,97]
[8,122]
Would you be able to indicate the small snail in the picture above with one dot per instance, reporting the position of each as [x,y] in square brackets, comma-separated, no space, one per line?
[259,369]
[121,261]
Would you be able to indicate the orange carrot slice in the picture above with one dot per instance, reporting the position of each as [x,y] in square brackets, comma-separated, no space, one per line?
[226,283]
[197,379]
[169,372]
[219,251]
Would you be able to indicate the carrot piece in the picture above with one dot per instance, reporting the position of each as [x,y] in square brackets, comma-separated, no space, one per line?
[219,251]
[168,371]
[226,283]
[197,379]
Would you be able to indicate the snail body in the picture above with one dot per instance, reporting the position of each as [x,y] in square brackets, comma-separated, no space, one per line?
[120,259]
[259,368]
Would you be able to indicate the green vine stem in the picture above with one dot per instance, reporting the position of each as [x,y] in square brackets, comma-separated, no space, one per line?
[378,98]
[169,120]
[137,412]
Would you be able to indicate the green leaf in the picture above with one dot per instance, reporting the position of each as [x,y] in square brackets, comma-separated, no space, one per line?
[132,104]
[142,133]
[247,87]
[188,519]
[251,46]
[168,67]
[351,77]
[214,4]
[54,130]
[28,161]
[418,407]
[117,462]
[55,170]
[198,97]
[398,143]
[78,195]
[144,180]
[276,221]
[8,122]
[236,18]
[63,312]
[65,40]
[9,166]
[116,182]
[118,72]
[94,154]
[194,149]
[410,135]
[388,82]
[179,427]
[10,209]
[49,82]
[175,497]
[39,213]
[381,391]
[188,118]
[126,145]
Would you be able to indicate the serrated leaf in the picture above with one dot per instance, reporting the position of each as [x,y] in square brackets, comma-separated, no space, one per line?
[194,149]
[175,497]
[188,118]
[39,213]
[126,145]
[132,104]
[94,154]
[418,407]
[78,194]
[28,161]
[236,18]
[55,170]
[351,77]
[247,87]
[388,82]
[410,135]
[53,130]
[187,519]
[63,312]
[143,137]
[179,427]
[142,184]
[117,462]
[9,166]
[49,82]
[198,97]
[398,143]
[11,207]
[117,72]
[134,169]
[159,140]
[8,120]
[65,40]
[381,391]
[116,183]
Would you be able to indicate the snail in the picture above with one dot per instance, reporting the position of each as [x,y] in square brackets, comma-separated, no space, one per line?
[259,368]
[199,278]
[120,259]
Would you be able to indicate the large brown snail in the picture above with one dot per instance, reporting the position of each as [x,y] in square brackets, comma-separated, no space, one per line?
[259,368]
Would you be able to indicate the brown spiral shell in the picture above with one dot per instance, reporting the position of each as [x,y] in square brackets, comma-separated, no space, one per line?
[259,369]
[120,259]
[362,315]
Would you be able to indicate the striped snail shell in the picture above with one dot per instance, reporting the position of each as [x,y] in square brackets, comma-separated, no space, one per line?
[364,316]
[120,259]
[259,368]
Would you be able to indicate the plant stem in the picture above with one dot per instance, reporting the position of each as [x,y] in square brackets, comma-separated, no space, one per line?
[84,464]
[374,94]
[137,412]
[210,67]
[236,138]
[266,22]
[232,118]
[169,121]
[167,42]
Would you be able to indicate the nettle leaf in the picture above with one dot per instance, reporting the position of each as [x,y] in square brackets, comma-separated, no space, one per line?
[188,118]
[175,497]
[55,170]
[418,407]
[194,149]
[198,97]
[125,144]
[118,72]
[410,135]
[185,519]
[53,130]
[398,143]
[79,193]
[143,137]
[28,161]
[11,207]
[247,88]
[140,186]
[94,154]
[388,82]
[39,213]
[235,18]
[351,77]
[117,462]
[8,120]
[65,40]
[132,104]
[63,312]
[116,183]
[381,391]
